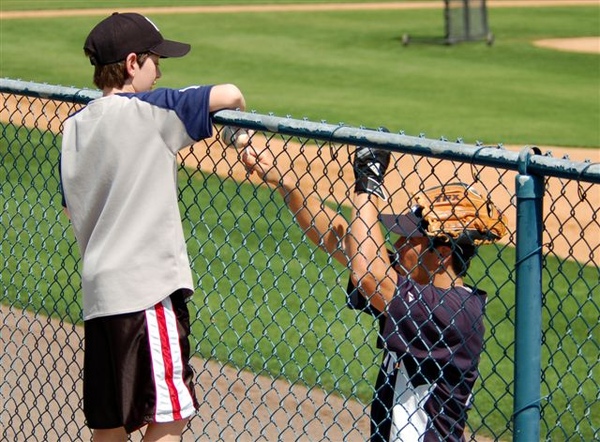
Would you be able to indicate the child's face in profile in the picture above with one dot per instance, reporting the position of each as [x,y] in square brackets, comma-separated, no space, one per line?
[147,74]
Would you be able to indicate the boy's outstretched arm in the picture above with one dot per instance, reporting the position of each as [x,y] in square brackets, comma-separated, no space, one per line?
[322,225]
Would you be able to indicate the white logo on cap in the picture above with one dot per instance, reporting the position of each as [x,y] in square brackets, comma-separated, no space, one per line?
[152,23]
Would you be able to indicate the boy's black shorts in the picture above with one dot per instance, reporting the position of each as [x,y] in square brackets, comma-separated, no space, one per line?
[136,367]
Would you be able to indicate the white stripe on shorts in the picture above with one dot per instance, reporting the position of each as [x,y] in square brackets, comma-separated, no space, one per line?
[173,399]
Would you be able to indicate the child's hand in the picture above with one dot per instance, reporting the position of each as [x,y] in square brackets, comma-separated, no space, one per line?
[262,162]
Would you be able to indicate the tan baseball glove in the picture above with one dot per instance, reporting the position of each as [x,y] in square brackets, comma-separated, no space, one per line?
[458,211]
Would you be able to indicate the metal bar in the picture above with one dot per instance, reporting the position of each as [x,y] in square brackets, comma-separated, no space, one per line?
[447,19]
[493,156]
[486,29]
[528,316]
[48,91]
[466,23]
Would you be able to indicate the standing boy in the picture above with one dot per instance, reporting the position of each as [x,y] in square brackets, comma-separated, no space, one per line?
[119,180]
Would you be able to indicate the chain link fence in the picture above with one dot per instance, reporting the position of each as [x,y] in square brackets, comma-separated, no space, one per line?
[277,353]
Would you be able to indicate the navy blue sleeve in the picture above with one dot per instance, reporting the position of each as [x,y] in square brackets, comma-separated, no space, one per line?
[190,104]
[356,301]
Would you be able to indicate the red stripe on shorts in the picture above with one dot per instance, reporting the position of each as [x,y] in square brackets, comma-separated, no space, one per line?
[167,360]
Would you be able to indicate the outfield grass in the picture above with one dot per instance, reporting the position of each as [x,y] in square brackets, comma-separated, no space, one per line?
[343,66]
[269,302]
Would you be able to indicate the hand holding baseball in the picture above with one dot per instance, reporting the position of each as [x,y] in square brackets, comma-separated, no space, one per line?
[262,162]
[236,137]
[242,140]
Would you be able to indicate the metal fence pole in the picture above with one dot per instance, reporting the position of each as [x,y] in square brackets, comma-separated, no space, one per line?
[529,192]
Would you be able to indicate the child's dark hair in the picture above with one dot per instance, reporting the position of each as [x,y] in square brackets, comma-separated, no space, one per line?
[113,75]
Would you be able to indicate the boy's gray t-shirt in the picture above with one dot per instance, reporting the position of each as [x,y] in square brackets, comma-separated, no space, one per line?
[119,181]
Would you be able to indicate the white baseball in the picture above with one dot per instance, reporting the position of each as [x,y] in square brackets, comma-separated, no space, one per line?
[242,140]
[235,137]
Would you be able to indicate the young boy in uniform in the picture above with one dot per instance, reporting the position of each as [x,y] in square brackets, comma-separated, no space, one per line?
[119,181]
[431,322]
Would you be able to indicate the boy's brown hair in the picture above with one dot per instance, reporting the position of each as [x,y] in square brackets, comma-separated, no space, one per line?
[113,75]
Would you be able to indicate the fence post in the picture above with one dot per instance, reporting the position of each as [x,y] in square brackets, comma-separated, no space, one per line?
[528,315]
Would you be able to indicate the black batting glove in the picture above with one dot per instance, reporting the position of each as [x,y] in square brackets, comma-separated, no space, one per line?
[369,169]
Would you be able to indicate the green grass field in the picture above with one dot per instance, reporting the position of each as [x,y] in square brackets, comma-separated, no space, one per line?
[344,66]
[252,304]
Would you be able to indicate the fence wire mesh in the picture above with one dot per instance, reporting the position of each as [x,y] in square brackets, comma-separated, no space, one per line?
[277,353]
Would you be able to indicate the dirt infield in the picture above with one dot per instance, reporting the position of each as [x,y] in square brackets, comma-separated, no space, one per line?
[589,45]
[236,404]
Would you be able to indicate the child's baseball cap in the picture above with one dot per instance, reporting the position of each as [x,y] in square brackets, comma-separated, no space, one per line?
[118,35]
[409,224]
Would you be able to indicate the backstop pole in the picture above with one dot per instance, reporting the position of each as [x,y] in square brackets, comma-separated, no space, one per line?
[528,333]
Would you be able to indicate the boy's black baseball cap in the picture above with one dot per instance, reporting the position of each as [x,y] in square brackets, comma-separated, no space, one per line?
[118,35]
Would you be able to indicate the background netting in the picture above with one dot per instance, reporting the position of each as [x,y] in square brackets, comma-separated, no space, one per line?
[466,20]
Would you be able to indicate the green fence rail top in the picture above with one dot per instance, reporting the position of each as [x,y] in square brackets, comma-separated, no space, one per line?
[527,161]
